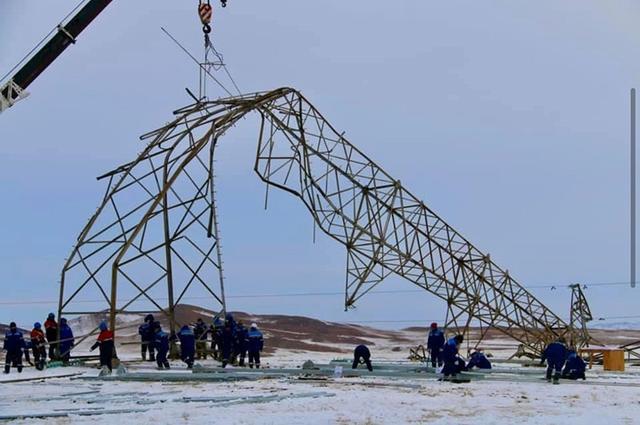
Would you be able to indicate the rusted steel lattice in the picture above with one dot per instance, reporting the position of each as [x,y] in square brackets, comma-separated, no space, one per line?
[385,229]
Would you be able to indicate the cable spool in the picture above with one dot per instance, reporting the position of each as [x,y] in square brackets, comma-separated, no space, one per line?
[205,11]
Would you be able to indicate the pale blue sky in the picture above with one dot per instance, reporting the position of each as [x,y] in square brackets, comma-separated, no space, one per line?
[509,118]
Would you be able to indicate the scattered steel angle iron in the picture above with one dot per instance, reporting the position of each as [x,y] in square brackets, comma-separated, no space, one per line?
[158,214]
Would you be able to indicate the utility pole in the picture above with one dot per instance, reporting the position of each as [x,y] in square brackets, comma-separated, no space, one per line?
[633,189]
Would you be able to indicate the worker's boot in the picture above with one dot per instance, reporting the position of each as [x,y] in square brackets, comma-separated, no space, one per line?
[7,368]
[556,378]
[19,368]
[548,375]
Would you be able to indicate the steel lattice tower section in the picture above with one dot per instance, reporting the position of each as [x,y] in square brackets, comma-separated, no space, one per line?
[580,315]
[385,229]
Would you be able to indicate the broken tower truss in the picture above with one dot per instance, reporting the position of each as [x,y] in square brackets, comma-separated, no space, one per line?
[155,230]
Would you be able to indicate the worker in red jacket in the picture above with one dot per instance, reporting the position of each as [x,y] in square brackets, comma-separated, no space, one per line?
[105,342]
[51,330]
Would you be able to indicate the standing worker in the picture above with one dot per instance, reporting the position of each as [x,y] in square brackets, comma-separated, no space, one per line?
[161,345]
[187,345]
[255,344]
[435,342]
[452,363]
[146,338]
[228,340]
[201,333]
[216,338]
[67,341]
[14,345]
[38,346]
[362,355]
[555,354]
[241,343]
[105,342]
[51,331]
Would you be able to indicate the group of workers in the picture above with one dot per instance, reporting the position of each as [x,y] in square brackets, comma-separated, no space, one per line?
[563,361]
[59,345]
[230,342]
[445,353]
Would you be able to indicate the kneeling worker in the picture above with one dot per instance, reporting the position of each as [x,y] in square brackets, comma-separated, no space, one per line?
[575,367]
[362,355]
[479,360]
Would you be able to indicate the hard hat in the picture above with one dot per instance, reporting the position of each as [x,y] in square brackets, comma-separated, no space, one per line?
[37,325]
[103,326]
[434,325]
[51,316]
[254,325]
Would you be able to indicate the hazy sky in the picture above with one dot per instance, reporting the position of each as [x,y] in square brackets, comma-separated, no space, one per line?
[510,119]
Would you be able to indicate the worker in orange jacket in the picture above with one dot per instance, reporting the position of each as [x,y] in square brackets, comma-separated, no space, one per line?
[105,342]
[37,345]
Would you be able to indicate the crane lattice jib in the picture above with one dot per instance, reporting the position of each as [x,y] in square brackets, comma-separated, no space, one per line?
[385,228]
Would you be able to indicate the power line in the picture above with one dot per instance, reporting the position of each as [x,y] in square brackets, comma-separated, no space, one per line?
[318,294]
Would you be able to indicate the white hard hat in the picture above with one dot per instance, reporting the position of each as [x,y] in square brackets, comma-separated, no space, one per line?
[254,325]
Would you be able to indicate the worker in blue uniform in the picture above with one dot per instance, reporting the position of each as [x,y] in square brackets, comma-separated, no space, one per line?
[555,354]
[67,341]
[255,344]
[187,345]
[216,338]
[575,367]
[242,335]
[228,339]
[161,345]
[479,360]
[362,355]
[147,335]
[435,342]
[453,364]
[14,345]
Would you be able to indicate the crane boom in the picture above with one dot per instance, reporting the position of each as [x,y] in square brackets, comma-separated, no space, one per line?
[14,89]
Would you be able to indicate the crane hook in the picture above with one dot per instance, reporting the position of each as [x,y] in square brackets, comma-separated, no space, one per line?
[223,3]
[205,11]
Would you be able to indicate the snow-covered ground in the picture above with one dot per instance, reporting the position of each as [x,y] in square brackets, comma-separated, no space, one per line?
[372,400]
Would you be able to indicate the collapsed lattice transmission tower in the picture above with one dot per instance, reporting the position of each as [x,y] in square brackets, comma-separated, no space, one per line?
[154,236]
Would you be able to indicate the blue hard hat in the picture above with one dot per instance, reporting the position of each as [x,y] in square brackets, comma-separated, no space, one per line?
[103,326]
[37,325]
[51,316]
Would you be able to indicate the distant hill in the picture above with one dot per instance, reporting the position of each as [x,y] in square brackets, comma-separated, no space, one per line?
[293,333]
[299,333]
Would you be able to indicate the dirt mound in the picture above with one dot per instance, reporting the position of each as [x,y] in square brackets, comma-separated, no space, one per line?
[298,332]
